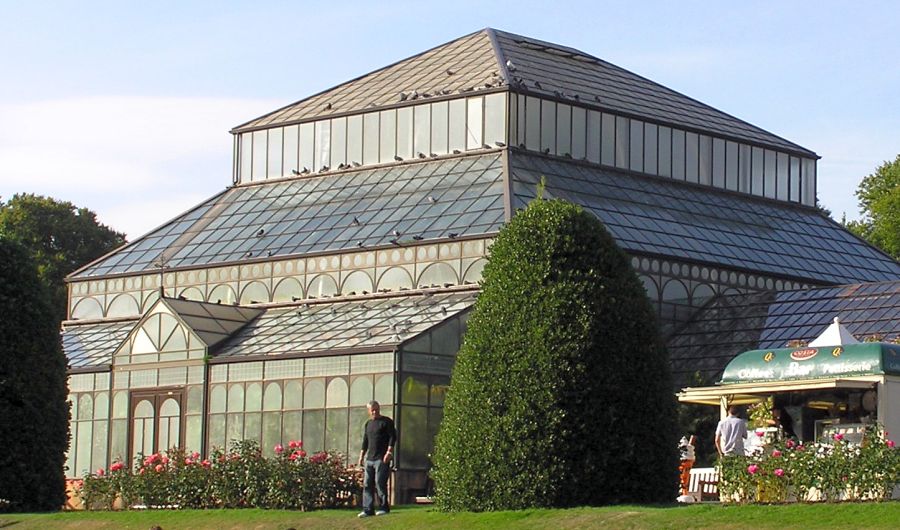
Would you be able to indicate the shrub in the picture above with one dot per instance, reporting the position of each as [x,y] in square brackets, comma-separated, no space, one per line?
[34,414]
[561,394]
[238,478]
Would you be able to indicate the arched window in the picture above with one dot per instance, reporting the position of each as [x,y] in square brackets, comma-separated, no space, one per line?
[357,282]
[287,289]
[254,293]
[438,274]
[395,278]
[321,286]
[222,294]
[473,273]
[123,305]
[87,308]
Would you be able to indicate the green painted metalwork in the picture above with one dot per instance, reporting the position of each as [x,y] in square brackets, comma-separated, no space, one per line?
[873,358]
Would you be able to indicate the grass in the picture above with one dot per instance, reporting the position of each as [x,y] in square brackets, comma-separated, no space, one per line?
[847,515]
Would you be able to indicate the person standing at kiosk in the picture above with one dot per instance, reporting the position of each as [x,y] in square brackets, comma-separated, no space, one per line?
[730,433]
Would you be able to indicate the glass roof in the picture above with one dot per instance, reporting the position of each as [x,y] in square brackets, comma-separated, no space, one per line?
[334,211]
[93,345]
[554,70]
[734,324]
[372,323]
[669,218]
[213,323]
[473,63]
[451,68]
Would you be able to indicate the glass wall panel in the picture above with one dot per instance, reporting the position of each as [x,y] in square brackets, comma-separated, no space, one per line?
[338,142]
[665,151]
[691,157]
[457,125]
[548,126]
[254,397]
[259,155]
[563,130]
[307,147]
[354,139]
[361,390]
[291,139]
[769,188]
[246,157]
[512,132]
[533,123]
[422,130]
[636,162]
[313,430]
[622,142]
[292,425]
[608,140]
[594,127]
[384,389]
[405,133]
[579,132]
[323,145]
[276,148]
[370,138]
[705,166]
[314,394]
[474,123]
[388,136]
[414,449]
[757,170]
[650,149]
[293,395]
[336,430]
[439,124]
[731,165]
[808,187]
[795,179]
[678,155]
[494,119]
[782,176]
[520,121]
[744,169]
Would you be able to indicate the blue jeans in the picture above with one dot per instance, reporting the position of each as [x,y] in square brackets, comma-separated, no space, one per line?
[377,473]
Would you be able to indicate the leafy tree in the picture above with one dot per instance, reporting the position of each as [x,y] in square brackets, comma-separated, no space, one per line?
[561,394]
[879,202]
[34,414]
[59,236]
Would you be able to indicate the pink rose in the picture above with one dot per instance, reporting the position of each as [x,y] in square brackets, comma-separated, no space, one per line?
[165,460]
[279,449]
[116,466]
[195,455]
[890,443]
[159,467]
[838,437]
[760,433]
[789,444]
[752,469]
[100,472]
[800,447]
[776,453]
[205,463]
[188,461]
[141,471]
[779,472]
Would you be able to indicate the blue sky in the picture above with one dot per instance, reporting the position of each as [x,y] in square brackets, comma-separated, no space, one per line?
[125,107]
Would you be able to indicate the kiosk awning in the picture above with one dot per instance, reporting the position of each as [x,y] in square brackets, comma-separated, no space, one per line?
[744,393]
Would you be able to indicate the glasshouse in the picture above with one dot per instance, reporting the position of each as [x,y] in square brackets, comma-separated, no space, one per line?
[340,261]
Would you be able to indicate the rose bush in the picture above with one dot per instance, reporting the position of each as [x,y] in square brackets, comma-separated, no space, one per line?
[832,470]
[237,478]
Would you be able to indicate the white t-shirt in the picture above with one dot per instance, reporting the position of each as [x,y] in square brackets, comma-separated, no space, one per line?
[731,432]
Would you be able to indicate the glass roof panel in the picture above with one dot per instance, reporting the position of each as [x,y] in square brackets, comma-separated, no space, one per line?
[313,328]
[93,345]
[297,221]
[707,225]
[733,324]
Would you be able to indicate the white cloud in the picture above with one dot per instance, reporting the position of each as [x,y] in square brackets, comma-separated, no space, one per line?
[136,161]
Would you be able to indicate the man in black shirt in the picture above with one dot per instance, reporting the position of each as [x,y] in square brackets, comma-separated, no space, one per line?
[379,438]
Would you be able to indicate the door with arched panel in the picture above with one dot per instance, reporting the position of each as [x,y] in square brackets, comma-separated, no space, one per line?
[157,421]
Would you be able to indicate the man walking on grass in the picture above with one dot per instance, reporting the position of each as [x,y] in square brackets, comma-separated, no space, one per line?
[379,439]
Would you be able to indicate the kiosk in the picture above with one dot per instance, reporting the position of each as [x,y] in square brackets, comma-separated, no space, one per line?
[833,385]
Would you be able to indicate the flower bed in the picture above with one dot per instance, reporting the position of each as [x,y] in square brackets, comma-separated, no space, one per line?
[238,478]
[789,471]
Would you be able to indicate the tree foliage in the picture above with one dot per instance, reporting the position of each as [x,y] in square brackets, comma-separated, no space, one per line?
[879,202]
[34,414]
[561,394]
[60,237]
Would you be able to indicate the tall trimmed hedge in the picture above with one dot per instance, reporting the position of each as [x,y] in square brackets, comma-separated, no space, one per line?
[34,414]
[561,394]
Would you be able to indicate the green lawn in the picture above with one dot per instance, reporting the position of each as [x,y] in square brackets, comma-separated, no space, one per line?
[849,516]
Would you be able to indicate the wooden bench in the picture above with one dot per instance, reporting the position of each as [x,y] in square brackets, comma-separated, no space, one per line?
[704,482]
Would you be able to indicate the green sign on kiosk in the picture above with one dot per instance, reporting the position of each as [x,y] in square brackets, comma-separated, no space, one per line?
[873,358]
